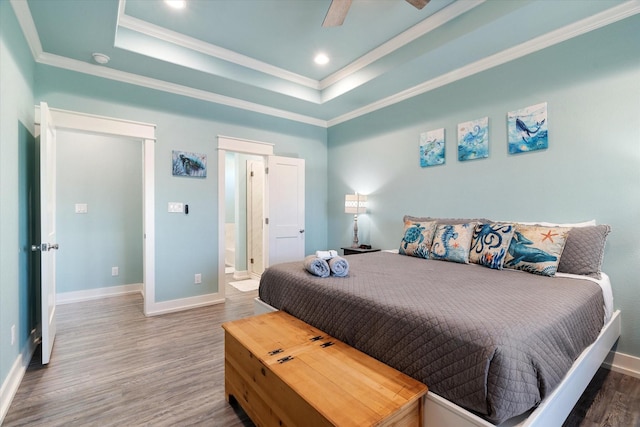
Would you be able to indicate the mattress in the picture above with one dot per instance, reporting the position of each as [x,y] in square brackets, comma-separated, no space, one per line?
[495,342]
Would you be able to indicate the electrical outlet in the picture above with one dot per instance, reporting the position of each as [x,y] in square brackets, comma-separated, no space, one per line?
[198,279]
[175,207]
[115,271]
[13,334]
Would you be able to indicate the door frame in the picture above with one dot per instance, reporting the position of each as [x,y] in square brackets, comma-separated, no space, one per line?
[236,145]
[137,131]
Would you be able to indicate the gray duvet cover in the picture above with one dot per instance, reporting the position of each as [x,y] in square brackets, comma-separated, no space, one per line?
[495,342]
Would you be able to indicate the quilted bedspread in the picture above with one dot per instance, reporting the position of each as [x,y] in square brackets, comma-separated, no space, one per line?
[495,342]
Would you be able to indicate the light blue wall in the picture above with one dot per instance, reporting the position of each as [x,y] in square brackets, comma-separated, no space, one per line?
[187,244]
[106,174]
[591,169]
[16,142]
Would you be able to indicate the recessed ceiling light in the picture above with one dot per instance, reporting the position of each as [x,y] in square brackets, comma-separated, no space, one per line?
[321,59]
[101,58]
[176,4]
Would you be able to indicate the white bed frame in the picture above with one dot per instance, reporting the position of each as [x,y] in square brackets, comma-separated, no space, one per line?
[552,411]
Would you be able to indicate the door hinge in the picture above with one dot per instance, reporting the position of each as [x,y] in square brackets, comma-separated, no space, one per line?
[266,221]
[251,174]
[251,260]
[266,171]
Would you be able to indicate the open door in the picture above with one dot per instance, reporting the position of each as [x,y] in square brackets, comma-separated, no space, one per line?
[48,244]
[255,217]
[286,209]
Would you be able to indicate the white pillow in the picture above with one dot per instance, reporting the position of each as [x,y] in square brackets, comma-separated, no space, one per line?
[553,224]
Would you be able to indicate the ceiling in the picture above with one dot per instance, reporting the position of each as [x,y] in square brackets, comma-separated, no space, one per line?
[258,54]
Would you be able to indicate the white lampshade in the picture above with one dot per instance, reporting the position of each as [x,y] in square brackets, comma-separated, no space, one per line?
[355,204]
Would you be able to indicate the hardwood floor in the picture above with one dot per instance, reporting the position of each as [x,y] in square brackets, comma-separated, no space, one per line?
[112,366]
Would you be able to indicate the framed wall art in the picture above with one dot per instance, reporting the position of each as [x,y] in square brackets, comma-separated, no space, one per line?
[189,164]
[432,148]
[473,139]
[527,129]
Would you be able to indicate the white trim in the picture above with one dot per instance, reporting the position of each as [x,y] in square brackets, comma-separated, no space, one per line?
[609,16]
[99,124]
[16,373]
[425,26]
[623,363]
[236,145]
[248,146]
[140,132]
[215,51]
[25,19]
[241,275]
[182,304]
[163,86]
[91,294]
[552,38]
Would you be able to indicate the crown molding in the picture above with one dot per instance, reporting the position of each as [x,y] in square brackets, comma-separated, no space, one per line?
[25,20]
[163,86]
[609,16]
[420,29]
[161,33]
[429,24]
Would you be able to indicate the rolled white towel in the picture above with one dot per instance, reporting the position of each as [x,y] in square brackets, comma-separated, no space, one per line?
[317,266]
[326,254]
[339,266]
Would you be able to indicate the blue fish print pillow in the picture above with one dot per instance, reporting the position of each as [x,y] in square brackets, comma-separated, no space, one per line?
[490,243]
[452,242]
[536,249]
[417,238]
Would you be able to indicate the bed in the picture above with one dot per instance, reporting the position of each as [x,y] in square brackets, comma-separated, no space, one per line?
[492,345]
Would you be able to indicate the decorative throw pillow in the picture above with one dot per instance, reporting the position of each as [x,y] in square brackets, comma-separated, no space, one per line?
[536,249]
[584,251]
[451,242]
[417,238]
[490,243]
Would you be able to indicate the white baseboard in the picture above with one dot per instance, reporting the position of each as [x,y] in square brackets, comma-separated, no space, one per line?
[181,304]
[623,363]
[90,294]
[12,382]
[241,275]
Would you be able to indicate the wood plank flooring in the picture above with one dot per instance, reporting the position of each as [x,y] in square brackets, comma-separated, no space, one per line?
[112,366]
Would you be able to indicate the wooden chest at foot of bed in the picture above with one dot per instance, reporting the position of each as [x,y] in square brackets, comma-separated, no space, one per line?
[284,372]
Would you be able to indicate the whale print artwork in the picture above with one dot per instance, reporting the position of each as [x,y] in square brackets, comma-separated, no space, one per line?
[189,164]
[473,139]
[432,148]
[527,129]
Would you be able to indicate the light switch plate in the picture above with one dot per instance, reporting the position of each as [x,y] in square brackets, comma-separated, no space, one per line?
[81,208]
[176,207]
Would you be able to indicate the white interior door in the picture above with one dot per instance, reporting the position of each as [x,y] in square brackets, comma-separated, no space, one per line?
[285,181]
[48,244]
[255,217]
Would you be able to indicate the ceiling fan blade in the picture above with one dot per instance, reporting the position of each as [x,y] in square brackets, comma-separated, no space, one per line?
[418,4]
[336,13]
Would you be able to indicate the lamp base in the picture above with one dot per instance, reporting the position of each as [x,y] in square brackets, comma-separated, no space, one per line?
[355,232]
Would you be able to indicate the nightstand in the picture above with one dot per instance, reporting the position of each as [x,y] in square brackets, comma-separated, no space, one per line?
[355,251]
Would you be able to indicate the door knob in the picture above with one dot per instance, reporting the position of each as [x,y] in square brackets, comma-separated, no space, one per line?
[44,247]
